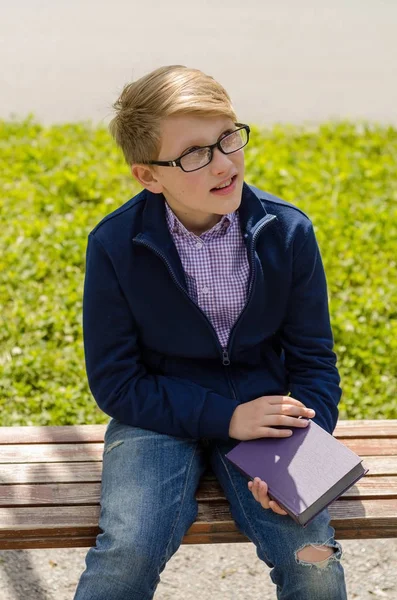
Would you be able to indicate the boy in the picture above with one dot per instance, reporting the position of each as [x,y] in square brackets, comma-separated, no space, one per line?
[205,304]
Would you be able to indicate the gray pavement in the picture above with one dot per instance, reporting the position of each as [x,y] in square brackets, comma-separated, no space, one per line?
[224,571]
[283,61]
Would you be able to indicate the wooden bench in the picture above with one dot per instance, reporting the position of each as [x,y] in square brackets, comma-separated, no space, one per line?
[50,486]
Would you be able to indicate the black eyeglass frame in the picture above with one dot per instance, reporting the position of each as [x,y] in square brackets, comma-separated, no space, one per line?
[177,161]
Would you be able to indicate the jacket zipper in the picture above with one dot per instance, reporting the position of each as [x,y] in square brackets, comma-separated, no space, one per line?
[258,230]
[226,364]
[224,351]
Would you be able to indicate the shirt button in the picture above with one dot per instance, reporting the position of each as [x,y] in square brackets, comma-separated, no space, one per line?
[205,290]
[199,245]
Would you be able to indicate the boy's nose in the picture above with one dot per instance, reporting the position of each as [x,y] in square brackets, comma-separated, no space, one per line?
[220,162]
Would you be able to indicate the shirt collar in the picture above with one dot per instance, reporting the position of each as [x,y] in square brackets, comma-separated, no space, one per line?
[220,228]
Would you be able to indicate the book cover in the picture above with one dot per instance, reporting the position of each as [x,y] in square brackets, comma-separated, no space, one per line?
[304,472]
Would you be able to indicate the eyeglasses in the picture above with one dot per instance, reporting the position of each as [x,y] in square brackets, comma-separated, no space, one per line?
[198,157]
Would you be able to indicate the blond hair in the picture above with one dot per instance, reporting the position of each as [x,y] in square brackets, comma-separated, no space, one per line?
[164,92]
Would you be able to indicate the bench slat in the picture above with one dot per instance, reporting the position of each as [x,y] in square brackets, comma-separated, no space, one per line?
[374,487]
[52,434]
[228,537]
[367,447]
[42,542]
[50,494]
[34,453]
[73,517]
[66,472]
[208,491]
[380,465]
[370,428]
[349,520]
[95,433]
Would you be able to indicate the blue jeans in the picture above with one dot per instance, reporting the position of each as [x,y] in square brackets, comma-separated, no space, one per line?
[148,503]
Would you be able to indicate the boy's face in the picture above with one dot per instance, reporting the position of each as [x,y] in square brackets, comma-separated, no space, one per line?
[191,195]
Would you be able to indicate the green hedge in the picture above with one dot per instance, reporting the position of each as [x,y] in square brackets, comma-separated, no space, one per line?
[58,182]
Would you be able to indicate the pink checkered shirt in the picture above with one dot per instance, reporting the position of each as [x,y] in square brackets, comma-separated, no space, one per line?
[216,269]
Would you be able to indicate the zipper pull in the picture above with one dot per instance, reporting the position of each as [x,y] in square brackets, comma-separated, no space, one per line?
[225,358]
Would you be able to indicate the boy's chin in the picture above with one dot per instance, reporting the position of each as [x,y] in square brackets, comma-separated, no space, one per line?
[228,205]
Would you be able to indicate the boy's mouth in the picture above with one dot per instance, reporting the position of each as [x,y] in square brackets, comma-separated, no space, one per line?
[226,187]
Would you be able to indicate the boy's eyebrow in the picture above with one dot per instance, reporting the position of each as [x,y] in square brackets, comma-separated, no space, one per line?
[224,130]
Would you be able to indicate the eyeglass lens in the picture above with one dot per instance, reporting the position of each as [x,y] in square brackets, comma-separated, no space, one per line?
[201,157]
[194,160]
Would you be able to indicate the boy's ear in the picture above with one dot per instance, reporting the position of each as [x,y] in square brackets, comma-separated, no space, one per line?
[147,178]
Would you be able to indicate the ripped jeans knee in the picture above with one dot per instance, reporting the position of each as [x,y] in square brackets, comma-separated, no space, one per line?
[304,558]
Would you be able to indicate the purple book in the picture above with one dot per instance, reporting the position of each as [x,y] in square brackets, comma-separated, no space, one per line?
[304,472]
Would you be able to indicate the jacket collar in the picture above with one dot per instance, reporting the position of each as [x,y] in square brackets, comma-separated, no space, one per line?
[154,224]
[155,232]
[251,212]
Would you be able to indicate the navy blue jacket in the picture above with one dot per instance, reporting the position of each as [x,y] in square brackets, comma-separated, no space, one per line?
[153,358]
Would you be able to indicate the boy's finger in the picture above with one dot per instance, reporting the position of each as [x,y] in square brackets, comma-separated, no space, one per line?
[265,501]
[285,400]
[263,496]
[276,508]
[257,492]
[263,491]
[253,486]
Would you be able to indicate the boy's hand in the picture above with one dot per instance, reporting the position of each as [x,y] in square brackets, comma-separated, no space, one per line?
[259,491]
[254,419]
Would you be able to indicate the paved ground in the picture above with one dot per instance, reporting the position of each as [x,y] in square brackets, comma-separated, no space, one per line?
[224,572]
[283,61]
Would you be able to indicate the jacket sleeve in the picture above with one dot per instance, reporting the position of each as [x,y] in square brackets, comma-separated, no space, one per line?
[119,381]
[307,340]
